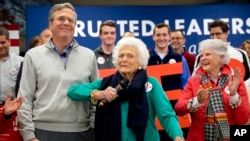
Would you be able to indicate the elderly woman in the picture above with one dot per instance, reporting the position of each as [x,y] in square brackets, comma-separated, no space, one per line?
[130,113]
[216,96]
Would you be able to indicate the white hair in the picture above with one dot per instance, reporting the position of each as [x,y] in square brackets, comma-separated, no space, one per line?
[138,44]
[218,46]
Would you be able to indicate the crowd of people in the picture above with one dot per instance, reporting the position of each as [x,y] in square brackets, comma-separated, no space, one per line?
[55,90]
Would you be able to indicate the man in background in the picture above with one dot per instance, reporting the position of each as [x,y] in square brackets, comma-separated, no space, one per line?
[9,67]
[45,35]
[107,34]
[163,53]
[10,64]
[178,41]
[128,34]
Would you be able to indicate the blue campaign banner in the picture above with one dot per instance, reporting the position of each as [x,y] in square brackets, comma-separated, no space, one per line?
[193,20]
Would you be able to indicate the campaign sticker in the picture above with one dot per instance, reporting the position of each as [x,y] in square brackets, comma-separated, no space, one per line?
[172,61]
[100,60]
[148,86]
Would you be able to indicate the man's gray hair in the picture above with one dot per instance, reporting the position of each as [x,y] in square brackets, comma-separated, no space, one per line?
[59,7]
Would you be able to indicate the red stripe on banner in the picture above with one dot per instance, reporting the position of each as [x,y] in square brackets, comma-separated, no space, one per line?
[14,42]
[11,27]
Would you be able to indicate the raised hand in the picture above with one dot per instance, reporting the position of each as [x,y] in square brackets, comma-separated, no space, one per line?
[234,81]
[11,106]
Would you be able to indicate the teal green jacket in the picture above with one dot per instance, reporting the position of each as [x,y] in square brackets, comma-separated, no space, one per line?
[159,106]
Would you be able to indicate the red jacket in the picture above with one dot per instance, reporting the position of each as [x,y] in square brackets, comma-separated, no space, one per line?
[9,130]
[5,125]
[235,116]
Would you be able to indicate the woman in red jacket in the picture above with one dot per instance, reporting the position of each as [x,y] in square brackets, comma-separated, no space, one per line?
[6,112]
[215,97]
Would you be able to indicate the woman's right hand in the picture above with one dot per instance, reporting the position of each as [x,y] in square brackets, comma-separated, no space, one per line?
[109,93]
[202,95]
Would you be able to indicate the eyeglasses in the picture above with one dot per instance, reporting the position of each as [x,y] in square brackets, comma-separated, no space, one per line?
[216,33]
[63,19]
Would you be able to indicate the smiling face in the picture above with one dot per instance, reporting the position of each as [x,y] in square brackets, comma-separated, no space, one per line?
[63,23]
[108,35]
[161,37]
[4,46]
[210,62]
[128,62]
[177,40]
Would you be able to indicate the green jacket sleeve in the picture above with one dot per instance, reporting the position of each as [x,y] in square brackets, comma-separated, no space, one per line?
[81,92]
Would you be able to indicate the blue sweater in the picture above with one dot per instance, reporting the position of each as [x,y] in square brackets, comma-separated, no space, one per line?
[171,82]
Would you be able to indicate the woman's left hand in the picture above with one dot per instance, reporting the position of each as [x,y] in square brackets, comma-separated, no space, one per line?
[234,81]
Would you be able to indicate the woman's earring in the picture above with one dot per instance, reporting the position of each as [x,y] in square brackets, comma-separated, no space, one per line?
[139,68]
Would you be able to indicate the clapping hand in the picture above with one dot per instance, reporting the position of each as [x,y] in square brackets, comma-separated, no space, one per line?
[202,95]
[234,81]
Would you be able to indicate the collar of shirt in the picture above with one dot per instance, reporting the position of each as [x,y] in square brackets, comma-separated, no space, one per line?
[5,58]
[65,51]
[214,78]
[161,55]
[64,55]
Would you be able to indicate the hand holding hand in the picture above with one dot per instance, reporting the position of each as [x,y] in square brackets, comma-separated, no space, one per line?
[109,93]
[234,81]
[11,106]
